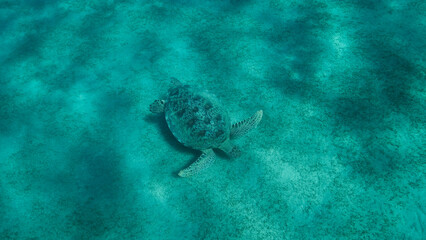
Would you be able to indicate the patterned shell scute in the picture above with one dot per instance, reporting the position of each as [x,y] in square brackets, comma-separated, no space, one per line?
[196,119]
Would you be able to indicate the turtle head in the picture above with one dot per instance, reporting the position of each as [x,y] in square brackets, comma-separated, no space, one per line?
[157,106]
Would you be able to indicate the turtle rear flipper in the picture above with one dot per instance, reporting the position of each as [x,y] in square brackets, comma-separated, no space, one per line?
[240,128]
[204,161]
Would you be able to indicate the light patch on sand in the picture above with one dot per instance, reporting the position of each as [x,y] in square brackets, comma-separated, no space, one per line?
[158,192]
[252,58]
[395,5]
[81,101]
[295,76]
[180,47]
[309,110]
[35,89]
[340,44]
[288,173]
[253,67]
[183,58]
[275,162]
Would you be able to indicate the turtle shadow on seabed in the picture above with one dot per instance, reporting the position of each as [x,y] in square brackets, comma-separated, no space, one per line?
[161,123]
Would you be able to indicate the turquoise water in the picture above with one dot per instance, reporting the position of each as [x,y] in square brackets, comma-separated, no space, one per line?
[339,154]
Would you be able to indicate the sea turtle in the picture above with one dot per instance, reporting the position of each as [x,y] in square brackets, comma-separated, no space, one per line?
[198,120]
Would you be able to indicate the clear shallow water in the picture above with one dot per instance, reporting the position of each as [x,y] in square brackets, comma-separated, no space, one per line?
[339,153]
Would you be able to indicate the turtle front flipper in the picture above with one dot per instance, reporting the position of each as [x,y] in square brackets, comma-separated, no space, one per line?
[240,128]
[204,161]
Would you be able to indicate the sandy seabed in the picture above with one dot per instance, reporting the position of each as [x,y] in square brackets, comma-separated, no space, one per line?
[339,154]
